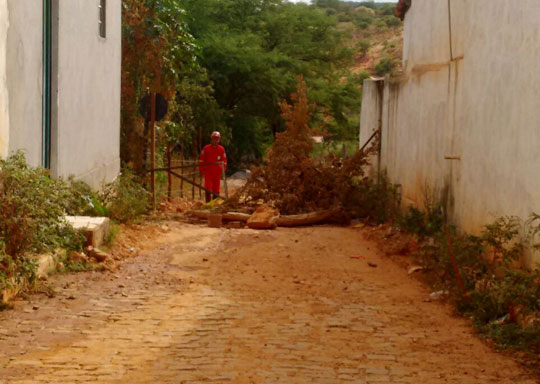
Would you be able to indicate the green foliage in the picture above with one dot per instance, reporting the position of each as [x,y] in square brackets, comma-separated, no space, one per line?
[388,10]
[81,200]
[387,65]
[253,51]
[32,206]
[16,271]
[334,4]
[126,199]
[502,300]
[421,223]
[392,21]
[340,148]
[375,201]
[364,75]
[364,46]
[169,65]
[362,21]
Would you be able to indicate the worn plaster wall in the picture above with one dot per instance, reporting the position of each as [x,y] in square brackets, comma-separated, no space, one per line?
[462,123]
[371,118]
[4,101]
[24,66]
[89,74]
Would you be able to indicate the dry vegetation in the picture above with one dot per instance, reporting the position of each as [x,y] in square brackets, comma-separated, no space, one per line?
[294,182]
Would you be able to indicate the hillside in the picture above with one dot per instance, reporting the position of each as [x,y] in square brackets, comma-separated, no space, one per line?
[376,36]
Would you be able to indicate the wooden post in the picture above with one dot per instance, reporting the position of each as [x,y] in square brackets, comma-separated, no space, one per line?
[153,146]
[200,182]
[193,184]
[225,180]
[182,180]
[169,175]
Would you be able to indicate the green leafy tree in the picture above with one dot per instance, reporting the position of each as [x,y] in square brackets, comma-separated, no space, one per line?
[253,50]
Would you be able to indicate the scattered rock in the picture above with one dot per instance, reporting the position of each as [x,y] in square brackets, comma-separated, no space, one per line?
[241,175]
[438,295]
[77,257]
[263,218]
[390,232]
[414,269]
[372,265]
[45,265]
[531,320]
[502,320]
[97,254]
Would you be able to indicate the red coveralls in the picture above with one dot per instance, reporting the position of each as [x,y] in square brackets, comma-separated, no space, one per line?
[212,173]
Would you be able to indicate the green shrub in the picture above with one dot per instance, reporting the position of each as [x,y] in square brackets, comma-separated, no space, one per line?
[392,21]
[362,25]
[81,200]
[498,297]
[388,10]
[16,272]
[344,17]
[387,65]
[125,199]
[380,24]
[376,201]
[421,223]
[32,209]
[362,19]
[364,75]
[363,46]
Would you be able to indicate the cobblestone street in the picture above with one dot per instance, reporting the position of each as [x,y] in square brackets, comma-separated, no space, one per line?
[201,305]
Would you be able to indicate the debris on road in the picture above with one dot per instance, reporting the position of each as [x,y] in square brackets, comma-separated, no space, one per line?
[438,295]
[215,220]
[264,217]
[77,257]
[306,219]
[97,254]
[415,268]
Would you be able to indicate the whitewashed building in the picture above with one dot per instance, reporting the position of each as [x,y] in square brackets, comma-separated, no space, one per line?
[60,83]
[463,119]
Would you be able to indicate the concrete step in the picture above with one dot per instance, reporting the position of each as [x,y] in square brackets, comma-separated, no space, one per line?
[95,229]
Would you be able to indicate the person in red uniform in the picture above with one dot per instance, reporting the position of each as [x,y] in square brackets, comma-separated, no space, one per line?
[212,153]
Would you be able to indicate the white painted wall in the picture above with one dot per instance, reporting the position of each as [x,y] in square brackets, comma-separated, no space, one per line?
[89,68]
[472,94]
[24,77]
[4,100]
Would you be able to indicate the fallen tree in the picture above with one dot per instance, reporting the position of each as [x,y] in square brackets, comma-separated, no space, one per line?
[305,190]
[305,219]
[294,182]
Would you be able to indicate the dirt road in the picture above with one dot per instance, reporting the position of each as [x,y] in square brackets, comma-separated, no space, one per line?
[201,305]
